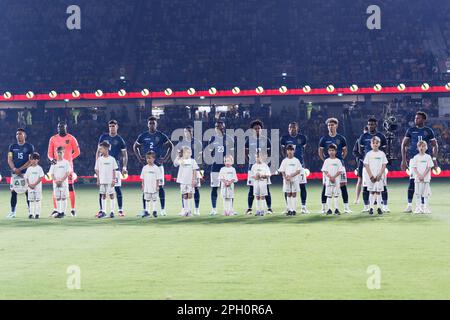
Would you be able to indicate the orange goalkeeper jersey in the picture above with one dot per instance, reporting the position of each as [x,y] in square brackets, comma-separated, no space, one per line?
[71,152]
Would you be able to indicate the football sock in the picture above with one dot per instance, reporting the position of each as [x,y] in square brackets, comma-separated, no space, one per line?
[100,202]
[303,194]
[371,200]
[188,205]
[366,196]
[144,203]
[329,200]
[336,203]
[263,205]
[119,197]
[64,205]
[384,196]
[250,197]
[214,197]
[418,202]
[72,199]
[13,201]
[411,189]
[269,198]
[162,197]
[185,206]
[324,198]
[38,208]
[344,193]
[32,207]
[154,205]
[103,205]
[112,203]
[197,197]
[294,203]
[379,200]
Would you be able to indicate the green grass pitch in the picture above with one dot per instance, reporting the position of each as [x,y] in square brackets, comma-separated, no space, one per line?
[243,257]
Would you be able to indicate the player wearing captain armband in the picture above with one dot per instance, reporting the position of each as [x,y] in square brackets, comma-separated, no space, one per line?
[106,169]
[151,177]
[421,164]
[291,169]
[34,176]
[332,172]
[227,178]
[374,179]
[260,175]
[18,161]
[60,172]
[187,178]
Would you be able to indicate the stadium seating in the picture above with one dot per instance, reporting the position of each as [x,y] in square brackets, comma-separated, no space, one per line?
[156,44]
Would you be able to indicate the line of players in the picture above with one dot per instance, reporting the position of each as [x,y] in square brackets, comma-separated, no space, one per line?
[154,144]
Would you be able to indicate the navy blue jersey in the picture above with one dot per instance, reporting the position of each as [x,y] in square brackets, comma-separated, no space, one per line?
[299,142]
[219,146]
[365,142]
[153,142]
[256,145]
[21,154]
[415,134]
[117,146]
[339,140]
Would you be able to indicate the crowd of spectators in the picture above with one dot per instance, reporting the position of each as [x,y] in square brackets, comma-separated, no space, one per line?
[179,43]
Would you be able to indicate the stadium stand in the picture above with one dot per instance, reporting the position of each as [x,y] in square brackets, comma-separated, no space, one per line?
[136,39]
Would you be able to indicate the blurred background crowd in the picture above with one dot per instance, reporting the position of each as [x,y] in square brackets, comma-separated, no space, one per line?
[156,44]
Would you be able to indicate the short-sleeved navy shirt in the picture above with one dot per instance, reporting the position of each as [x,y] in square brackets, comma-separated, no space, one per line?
[299,142]
[339,140]
[365,142]
[117,146]
[21,154]
[415,134]
[153,142]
